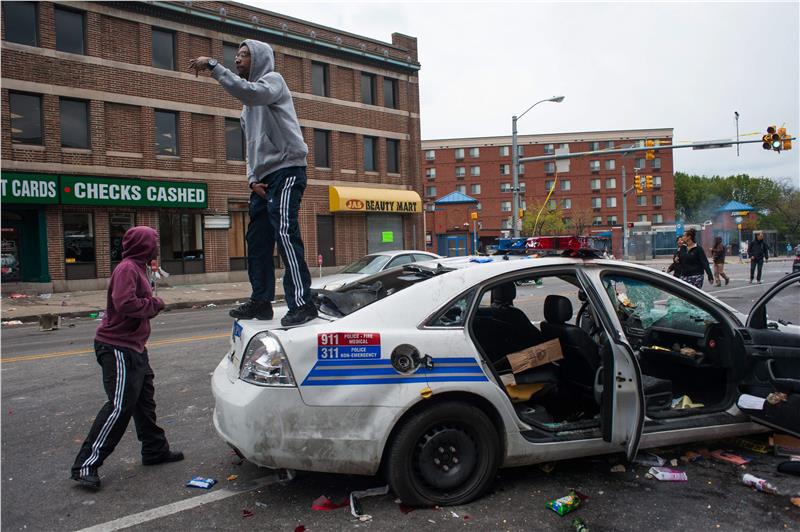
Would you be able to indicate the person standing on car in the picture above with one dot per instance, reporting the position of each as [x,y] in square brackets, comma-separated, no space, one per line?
[674,267]
[127,377]
[758,252]
[692,261]
[718,256]
[276,175]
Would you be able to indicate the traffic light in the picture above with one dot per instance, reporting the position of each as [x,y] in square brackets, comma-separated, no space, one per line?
[773,140]
[786,139]
[649,182]
[521,214]
[649,154]
[637,184]
[767,139]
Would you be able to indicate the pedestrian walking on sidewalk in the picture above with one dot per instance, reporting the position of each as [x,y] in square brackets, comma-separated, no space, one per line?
[718,256]
[127,377]
[693,262]
[758,252]
[674,267]
[276,175]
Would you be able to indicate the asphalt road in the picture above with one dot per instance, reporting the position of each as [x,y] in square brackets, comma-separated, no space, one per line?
[51,391]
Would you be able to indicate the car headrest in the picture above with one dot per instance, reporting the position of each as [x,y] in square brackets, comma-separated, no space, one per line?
[503,295]
[557,309]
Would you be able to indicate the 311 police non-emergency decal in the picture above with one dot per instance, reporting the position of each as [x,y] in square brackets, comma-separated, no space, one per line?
[348,346]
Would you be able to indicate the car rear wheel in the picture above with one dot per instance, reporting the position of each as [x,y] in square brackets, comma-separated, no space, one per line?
[446,455]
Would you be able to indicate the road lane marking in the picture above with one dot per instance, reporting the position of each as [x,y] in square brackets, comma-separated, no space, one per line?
[176,507]
[156,343]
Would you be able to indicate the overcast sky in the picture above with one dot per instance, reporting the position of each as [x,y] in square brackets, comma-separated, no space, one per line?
[687,66]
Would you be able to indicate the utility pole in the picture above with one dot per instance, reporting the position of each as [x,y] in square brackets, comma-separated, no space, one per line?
[624,216]
[514,177]
[736,114]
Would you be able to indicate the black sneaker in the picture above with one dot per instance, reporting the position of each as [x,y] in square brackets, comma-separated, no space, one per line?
[252,310]
[300,315]
[169,456]
[89,480]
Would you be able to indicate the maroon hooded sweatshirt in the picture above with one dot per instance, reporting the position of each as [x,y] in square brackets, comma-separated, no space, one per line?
[130,301]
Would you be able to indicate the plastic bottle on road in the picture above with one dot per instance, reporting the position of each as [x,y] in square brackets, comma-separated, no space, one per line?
[759,484]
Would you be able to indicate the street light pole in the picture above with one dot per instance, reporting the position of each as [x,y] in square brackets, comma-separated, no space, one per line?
[515,164]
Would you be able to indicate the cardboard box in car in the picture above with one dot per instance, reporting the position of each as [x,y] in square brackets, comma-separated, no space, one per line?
[535,356]
[785,445]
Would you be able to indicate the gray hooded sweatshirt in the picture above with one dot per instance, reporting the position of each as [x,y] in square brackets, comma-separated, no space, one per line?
[269,121]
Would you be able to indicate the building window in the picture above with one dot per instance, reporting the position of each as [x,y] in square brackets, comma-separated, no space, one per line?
[522,186]
[21,23]
[611,202]
[549,149]
[657,164]
[521,169]
[475,171]
[430,155]
[552,205]
[610,164]
[549,168]
[505,224]
[390,93]
[505,169]
[234,140]
[594,146]
[163,49]
[640,162]
[79,245]
[657,200]
[229,52]
[567,221]
[70,31]
[548,185]
[641,218]
[595,184]
[430,173]
[505,187]
[505,206]
[505,151]
[461,188]
[520,151]
[610,144]
[367,88]
[117,225]
[166,133]
[611,183]
[459,153]
[658,218]
[319,79]
[566,185]
[656,181]
[594,166]
[597,220]
[26,117]
[475,188]
[321,145]
[597,203]
[74,124]
[430,207]
[392,156]
[181,237]
[612,220]
[474,152]
[370,154]
[430,192]
[566,203]
[641,201]
[461,171]
[478,206]
[523,205]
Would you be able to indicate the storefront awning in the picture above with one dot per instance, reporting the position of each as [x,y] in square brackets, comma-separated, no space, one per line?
[358,199]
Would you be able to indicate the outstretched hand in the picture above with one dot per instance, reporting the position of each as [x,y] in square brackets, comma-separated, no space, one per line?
[199,63]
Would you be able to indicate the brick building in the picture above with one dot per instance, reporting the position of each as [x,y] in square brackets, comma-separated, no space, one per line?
[588,195]
[104,127]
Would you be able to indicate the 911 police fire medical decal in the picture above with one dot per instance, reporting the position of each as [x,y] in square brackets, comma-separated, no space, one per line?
[348,346]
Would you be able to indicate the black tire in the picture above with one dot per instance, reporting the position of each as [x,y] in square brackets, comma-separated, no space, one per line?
[464,442]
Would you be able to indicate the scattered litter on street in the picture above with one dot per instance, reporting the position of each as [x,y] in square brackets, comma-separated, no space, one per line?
[750,445]
[232,477]
[566,504]
[619,468]
[45,296]
[355,501]
[454,514]
[18,296]
[547,467]
[324,504]
[684,402]
[261,504]
[795,501]
[724,456]
[668,474]
[759,484]
[247,513]
[200,482]
[211,305]
[673,462]
[649,459]
[300,528]
[12,322]
[579,525]
[691,456]
[405,508]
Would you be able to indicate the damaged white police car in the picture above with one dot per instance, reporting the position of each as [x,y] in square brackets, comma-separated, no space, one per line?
[407,372]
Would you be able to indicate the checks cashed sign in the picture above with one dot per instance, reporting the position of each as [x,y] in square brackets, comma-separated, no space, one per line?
[38,189]
[77,190]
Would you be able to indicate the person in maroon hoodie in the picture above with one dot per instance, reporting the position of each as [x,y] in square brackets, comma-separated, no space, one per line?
[127,377]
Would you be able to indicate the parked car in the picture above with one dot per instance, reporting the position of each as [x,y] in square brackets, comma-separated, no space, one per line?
[407,372]
[369,265]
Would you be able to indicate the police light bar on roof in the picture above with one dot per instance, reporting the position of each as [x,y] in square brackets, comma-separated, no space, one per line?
[534,244]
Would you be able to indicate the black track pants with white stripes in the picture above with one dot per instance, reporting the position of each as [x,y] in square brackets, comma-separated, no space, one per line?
[128,381]
[274,220]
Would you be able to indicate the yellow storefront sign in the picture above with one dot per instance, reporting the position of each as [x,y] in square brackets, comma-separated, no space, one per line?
[357,199]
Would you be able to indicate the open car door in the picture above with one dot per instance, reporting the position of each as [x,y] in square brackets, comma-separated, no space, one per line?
[771,340]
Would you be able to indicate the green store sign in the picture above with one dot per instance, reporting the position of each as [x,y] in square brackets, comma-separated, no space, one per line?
[99,191]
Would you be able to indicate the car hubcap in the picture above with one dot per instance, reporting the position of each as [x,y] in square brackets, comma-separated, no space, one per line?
[445,456]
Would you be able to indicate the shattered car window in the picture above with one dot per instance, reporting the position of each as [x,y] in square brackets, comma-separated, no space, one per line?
[650,306]
[456,314]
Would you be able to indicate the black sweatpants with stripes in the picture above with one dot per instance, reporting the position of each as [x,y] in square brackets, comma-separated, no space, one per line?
[128,381]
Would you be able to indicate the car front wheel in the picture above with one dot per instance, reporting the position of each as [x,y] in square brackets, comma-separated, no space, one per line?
[446,455]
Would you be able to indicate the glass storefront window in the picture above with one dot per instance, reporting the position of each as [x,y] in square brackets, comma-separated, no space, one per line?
[118,223]
[181,243]
[79,251]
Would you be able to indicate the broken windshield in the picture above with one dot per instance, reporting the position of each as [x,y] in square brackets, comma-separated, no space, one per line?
[358,295]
